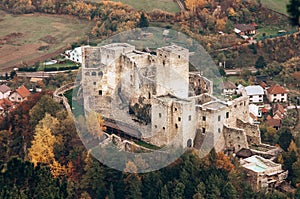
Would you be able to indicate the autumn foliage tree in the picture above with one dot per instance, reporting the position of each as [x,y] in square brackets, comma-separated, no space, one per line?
[42,149]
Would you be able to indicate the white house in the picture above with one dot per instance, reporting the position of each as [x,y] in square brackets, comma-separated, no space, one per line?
[4,91]
[255,93]
[240,89]
[75,55]
[20,94]
[254,112]
[277,93]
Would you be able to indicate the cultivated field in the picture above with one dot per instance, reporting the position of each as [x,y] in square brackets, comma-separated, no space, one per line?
[277,5]
[25,39]
[149,5]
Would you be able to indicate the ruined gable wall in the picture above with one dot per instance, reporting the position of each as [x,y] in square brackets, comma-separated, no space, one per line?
[252,131]
[211,121]
[235,138]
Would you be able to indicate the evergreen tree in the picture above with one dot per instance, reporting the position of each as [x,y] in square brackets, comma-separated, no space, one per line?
[164,193]
[133,186]
[293,8]
[260,62]
[93,179]
[285,138]
[229,191]
[45,105]
[143,21]
[111,194]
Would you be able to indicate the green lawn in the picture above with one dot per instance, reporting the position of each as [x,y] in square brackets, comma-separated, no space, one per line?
[67,63]
[149,5]
[278,5]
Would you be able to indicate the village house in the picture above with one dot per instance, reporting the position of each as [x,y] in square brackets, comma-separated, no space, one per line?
[277,93]
[263,173]
[278,111]
[20,94]
[254,112]
[245,30]
[4,91]
[228,88]
[74,55]
[275,123]
[255,93]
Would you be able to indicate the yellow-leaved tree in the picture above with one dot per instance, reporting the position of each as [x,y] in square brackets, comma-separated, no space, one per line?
[42,148]
[95,124]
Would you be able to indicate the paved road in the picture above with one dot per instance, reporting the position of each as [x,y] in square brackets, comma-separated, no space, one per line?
[40,74]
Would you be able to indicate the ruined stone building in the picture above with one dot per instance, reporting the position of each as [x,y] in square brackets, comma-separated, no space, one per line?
[156,94]
[263,173]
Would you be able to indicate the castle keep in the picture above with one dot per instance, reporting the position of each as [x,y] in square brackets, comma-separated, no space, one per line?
[156,94]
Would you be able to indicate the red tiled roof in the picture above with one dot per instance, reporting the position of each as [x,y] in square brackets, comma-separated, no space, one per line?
[23,91]
[263,84]
[278,107]
[4,88]
[276,89]
[5,102]
[264,110]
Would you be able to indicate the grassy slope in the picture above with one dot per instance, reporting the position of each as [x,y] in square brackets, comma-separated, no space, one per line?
[278,5]
[149,5]
[34,27]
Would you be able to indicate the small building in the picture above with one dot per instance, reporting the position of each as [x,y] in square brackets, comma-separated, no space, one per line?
[275,123]
[74,55]
[278,111]
[254,112]
[263,173]
[255,93]
[20,94]
[277,93]
[228,88]
[245,29]
[4,91]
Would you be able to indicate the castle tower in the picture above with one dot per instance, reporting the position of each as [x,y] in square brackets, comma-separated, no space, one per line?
[172,71]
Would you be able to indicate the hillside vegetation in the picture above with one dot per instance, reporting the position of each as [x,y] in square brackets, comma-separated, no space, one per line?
[28,37]
[277,5]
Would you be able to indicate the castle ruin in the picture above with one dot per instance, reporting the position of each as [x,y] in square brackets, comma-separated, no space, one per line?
[156,94]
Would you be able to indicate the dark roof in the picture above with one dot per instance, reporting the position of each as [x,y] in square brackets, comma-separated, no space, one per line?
[227,85]
[276,89]
[274,122]
[4,88]
[244,27]
[261,78]
[244,153]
